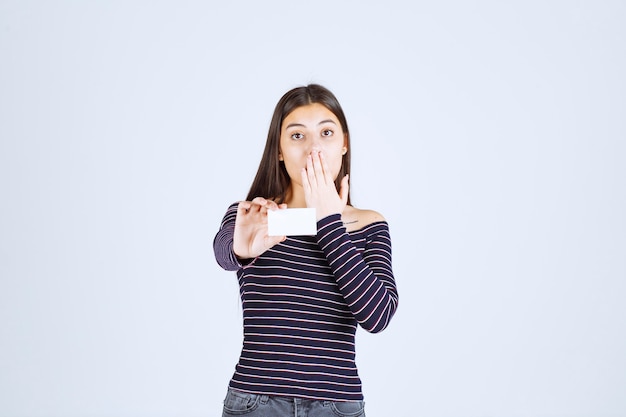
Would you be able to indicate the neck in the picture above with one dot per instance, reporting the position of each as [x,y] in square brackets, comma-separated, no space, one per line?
[295,197]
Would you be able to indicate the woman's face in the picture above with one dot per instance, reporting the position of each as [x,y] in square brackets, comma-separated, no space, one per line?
[307,129]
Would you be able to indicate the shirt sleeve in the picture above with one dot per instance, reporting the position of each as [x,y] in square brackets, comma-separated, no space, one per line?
[223,241]
[364,279]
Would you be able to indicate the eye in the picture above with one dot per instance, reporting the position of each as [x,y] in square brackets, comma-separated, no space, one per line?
[297,136]
[327,132]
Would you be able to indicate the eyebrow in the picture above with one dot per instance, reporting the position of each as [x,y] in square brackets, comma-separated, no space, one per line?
[290,125]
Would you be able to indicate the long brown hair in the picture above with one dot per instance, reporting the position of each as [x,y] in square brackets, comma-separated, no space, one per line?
[272,180]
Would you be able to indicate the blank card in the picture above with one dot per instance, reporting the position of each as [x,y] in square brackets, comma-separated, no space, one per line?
[292,222]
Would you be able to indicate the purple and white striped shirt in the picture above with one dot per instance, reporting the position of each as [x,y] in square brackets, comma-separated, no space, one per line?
[302,300]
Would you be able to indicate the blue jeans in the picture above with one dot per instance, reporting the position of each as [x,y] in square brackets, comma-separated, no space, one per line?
[238,403]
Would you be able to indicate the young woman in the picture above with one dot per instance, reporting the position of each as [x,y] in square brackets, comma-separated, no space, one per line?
[303,296]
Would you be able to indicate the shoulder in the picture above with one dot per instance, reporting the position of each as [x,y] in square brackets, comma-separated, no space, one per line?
[355,218]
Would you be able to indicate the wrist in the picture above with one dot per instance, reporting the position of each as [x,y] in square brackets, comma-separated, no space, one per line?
[320,214]
[327,219]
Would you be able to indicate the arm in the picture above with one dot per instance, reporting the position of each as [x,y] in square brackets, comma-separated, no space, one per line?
[365,280]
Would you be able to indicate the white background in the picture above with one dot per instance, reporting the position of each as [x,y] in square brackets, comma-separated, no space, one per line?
[491,135]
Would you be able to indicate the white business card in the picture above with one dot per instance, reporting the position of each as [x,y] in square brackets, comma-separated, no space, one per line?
[292,222]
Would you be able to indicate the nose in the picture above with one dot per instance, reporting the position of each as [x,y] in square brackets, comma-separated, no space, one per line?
[316,145]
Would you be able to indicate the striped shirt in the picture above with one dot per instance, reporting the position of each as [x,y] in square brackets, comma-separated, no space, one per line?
[302,300]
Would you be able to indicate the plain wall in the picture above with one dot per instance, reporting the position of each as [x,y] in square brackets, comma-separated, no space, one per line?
[491,135]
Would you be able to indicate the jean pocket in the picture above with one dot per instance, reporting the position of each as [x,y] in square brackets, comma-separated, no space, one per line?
[348,408]
[239,403]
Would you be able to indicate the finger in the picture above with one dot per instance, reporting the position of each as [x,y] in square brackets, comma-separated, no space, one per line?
[259,201]
[271,205]
[310,170]
[319,169]
[325,169]
[306,185]
[262,204]
[243,207]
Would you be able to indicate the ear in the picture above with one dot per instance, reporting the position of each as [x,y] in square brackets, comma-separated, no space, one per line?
[344,150]
[280,156]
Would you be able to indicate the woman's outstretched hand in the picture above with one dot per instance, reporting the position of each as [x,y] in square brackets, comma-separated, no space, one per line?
[319,187]
[251,238]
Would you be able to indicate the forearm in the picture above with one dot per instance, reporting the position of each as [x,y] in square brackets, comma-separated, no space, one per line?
[223,242]
[368,287]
